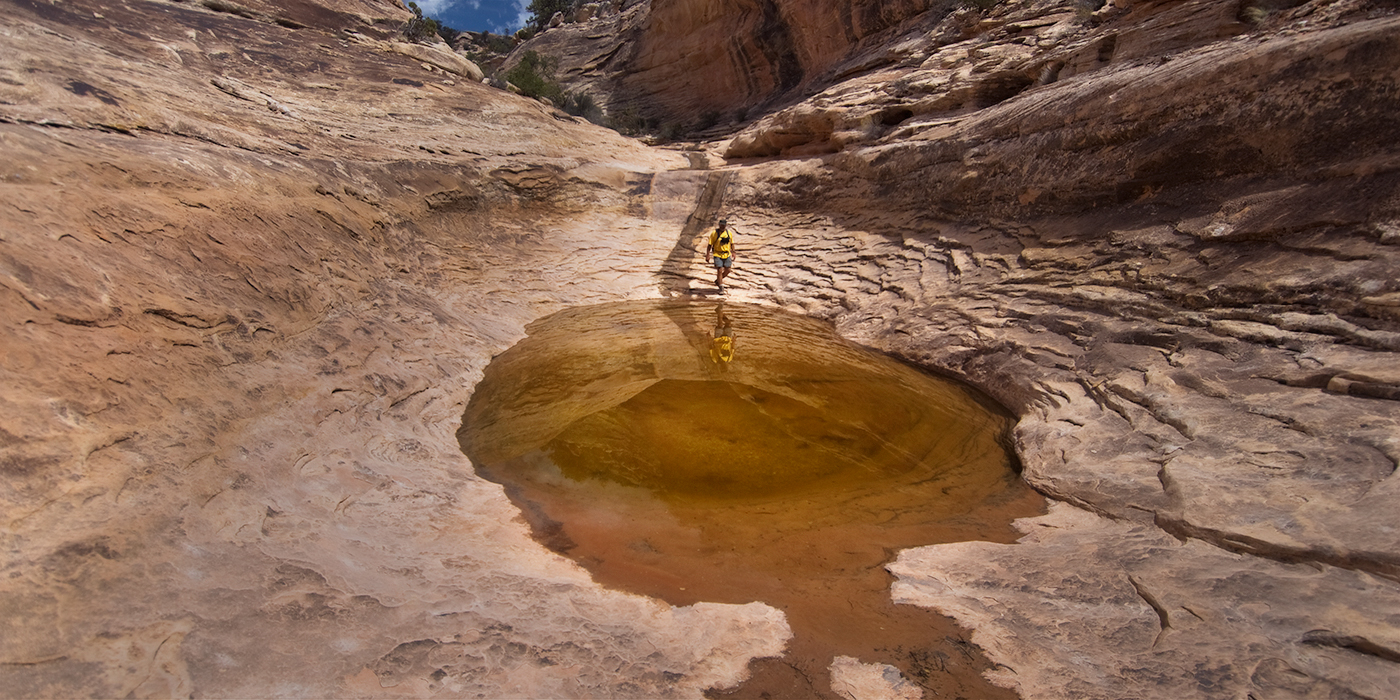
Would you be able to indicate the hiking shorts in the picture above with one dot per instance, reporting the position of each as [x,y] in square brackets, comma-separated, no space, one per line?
[724,262]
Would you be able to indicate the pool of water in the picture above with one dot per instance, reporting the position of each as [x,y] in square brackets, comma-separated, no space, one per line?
[704,451]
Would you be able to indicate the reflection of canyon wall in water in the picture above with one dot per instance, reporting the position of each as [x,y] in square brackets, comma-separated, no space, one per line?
[785,474]
[586,361]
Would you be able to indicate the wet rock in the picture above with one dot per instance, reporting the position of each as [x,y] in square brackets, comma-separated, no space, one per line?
[233,369]
[854,680]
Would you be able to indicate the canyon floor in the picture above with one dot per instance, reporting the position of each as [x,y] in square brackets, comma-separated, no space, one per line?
[253,265]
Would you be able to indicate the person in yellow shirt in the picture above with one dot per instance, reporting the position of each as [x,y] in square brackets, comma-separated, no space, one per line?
[721,248]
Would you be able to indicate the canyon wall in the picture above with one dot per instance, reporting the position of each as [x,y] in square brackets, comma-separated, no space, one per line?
[682,61]
[698,57]
[252,263]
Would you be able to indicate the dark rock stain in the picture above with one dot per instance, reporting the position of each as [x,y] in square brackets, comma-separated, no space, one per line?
[82,89]
[776,42]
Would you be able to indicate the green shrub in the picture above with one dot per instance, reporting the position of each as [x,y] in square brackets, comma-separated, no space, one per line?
[627,122]
[420,28]
[672,131]
[581,104]
[707,120]
[534,75]
[497,42]
[487,48]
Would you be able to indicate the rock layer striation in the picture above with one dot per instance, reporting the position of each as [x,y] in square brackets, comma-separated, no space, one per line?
[250,273]
[250,270]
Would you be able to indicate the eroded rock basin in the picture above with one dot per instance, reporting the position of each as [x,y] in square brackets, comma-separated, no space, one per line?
[730,453]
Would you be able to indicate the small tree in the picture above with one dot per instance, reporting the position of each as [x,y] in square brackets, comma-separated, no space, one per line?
[542,10]
[420,28]
[534,75]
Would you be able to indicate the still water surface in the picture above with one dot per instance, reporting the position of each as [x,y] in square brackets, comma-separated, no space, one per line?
[730,453]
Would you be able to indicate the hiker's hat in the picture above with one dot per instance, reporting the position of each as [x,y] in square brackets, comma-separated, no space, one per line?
[722,222]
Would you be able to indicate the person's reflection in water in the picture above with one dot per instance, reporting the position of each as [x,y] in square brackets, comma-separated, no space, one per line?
[722,347]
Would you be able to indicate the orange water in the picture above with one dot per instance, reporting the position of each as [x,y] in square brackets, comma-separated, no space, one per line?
[730,453]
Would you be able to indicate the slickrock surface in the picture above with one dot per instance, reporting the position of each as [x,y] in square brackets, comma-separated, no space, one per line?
[1182,274]
[250,275]
[251,269]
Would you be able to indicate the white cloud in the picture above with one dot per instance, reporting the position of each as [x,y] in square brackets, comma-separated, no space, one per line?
[522,12]
[435,7]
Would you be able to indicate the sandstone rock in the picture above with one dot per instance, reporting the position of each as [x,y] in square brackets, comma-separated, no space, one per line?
[1137,606]
[232,378]
[587,12]
[1132,408]
[377,16]
[674,62]
[854,680]
[238,338]
[441,58]
[1389,232]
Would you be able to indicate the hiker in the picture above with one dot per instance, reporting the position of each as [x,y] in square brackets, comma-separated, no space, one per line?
[721,248]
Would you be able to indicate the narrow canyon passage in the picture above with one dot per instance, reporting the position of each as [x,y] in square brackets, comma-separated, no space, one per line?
[723,452]
[257,257]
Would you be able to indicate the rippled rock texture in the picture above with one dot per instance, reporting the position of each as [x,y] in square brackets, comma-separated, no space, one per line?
[1164,234]
[1181,273]
[249,274]
[250,270]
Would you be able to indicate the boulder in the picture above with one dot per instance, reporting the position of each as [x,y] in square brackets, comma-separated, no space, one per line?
[441,57]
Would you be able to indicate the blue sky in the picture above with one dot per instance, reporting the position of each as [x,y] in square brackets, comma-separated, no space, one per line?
[495,16]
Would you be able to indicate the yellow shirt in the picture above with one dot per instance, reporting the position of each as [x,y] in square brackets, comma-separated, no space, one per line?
[720,246]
